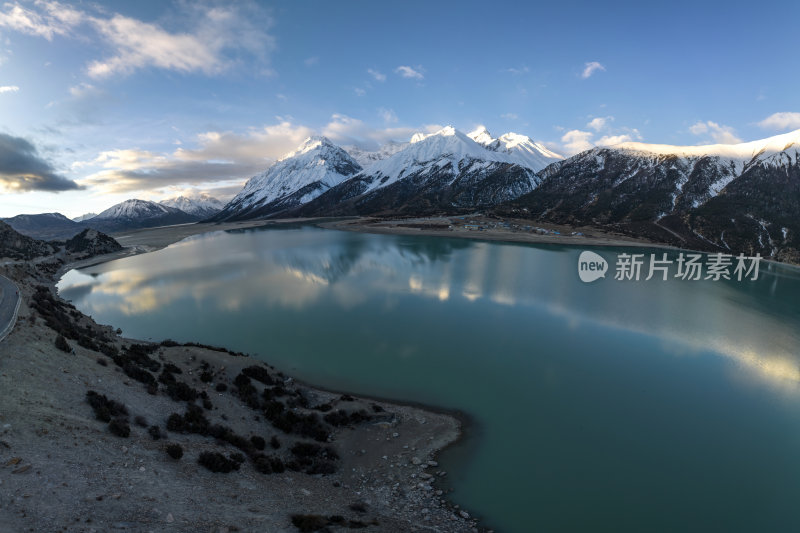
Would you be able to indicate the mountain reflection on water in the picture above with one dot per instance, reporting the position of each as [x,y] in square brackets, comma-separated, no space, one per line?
[303,265]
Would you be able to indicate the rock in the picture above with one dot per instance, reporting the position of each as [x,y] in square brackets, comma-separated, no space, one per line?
[170,518]
[433,463]
[425,475]
[416,460]
[464,514]
[21,469]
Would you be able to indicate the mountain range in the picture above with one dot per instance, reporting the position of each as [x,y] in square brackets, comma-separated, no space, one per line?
[124,216]
[734,198]
[432,172]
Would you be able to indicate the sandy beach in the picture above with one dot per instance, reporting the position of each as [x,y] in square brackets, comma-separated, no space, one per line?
[63,469]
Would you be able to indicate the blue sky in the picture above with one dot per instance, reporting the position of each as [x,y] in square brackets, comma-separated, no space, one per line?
[105,101]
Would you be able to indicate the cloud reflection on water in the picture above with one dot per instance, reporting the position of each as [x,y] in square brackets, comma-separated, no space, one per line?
[300,268]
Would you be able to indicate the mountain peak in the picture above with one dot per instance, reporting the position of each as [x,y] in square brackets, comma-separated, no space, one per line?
[447,131]
[481,136]
[311,143]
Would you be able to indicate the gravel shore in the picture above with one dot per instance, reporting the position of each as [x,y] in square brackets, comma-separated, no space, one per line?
[64,468]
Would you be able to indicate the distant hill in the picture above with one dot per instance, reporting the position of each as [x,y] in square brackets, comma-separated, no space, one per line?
[91,242]
[135,214]
[47,226]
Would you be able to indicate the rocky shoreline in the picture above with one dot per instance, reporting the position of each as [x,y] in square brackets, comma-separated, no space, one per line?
[85,432]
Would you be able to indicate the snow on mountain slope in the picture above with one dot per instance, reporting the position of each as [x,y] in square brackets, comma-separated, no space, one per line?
[298,177]
[744,151]
[84,217]
[521,148]
[447,146]
[438,171]
[201,206]
[134,209]
[366,158]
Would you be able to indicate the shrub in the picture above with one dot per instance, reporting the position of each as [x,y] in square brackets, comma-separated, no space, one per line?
[140,421]
[174,450]
[258,373]
[155,432]
[104,408]
[192,421]
[274,442]
[169,367]
[120,427]
[221,387]
[309,522]
[62,344]
[258,442]
[359,507]
[216,462]
[180,391]
[138,373]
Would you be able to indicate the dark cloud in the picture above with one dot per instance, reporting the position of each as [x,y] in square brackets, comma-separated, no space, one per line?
[23,169]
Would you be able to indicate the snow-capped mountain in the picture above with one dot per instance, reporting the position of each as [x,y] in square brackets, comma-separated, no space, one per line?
[436,171]
[84,217]
[743,197]
[202,206]
[521,148]
[298,177]
[132,214]
[366,158]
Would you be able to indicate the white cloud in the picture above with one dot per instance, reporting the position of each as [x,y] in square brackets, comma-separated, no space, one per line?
[590,68]
[379,76]
[717,133]
[311,61]
[8,89]
[781,121]
[598,123]
[387,115]
[515,71]
[408,72]
[53,19]
[211,42]
[576,141]
[611,140]
[509,116]
[346,130]
[217,157]
[359,91]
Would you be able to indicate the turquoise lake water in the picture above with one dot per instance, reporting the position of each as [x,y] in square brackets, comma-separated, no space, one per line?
[622,406]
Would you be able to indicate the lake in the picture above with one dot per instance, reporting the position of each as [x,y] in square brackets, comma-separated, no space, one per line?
[621,406]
